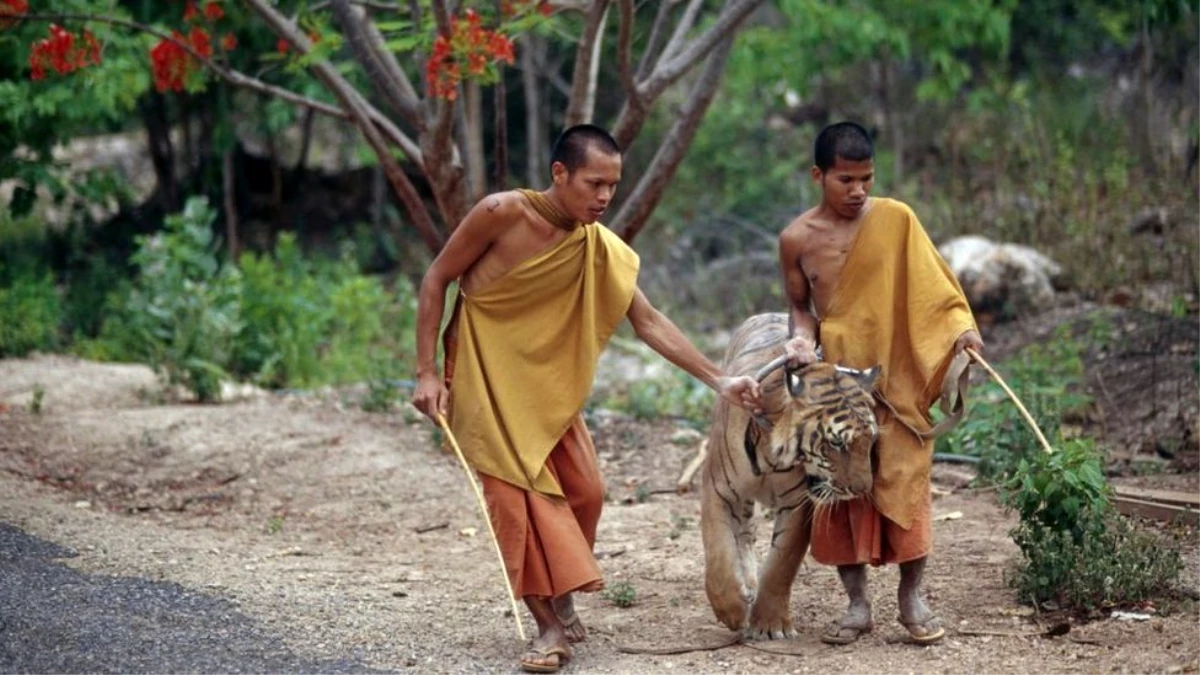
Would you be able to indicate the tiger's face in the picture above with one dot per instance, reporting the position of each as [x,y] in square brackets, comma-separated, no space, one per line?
[830,430]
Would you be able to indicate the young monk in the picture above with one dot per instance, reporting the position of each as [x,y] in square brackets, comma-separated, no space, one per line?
[866,284]
[542,286]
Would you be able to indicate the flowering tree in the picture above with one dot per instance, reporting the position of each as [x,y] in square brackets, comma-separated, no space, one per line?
[434,132]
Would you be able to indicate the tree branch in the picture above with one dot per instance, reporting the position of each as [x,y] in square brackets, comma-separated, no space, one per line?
[681,60]
[388,78]
[630,119]
[682,28]
[363,115]
[233,77]
[581,105]
[636,210]
[368,4]
[238,79]
[624,37]
[657,32]
[442,164]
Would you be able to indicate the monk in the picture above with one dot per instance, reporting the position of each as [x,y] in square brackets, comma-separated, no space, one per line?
[865,283]
[542,285]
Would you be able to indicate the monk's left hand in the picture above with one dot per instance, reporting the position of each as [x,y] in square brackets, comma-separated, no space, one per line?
[970,339]
[741,391]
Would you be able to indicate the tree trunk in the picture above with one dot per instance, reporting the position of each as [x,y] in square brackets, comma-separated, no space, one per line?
[894,119]
[582,105]
[162,151]
[472,129]
[536,143]
[228,192]
[636,211]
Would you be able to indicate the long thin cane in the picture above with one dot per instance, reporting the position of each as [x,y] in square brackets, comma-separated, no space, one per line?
[487,519]
[1003,385]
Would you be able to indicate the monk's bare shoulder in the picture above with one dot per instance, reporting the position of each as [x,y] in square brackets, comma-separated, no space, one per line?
[499,212]
[795,236]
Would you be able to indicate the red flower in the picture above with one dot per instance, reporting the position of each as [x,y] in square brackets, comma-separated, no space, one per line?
[201,41]
[501,48]
[545,8]
[213,11]
[62,52]
[229,42]
[12,8]
[282,46]
[189,10]
[170,63]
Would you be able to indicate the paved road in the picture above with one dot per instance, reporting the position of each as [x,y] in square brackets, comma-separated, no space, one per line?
[54,619]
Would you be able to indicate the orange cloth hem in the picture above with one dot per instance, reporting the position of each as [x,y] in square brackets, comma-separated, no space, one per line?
[547,541]
[855,532]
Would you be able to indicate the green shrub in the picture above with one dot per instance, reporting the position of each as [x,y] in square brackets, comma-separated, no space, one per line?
[30,314]
[182,314]
[1076,551]
[310,322]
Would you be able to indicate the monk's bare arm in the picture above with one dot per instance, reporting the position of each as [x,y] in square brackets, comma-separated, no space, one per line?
[469,241]
[802,325]
[664,337]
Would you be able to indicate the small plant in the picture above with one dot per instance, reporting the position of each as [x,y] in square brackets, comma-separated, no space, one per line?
[622,594]
[1077,552]
[35,403]
[382,395]
[641,494]
[678,525]
[275,525]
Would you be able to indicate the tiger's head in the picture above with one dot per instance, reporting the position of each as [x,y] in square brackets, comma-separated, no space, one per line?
[828,428]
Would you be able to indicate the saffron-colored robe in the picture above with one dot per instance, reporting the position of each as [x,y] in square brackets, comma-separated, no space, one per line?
[527,347]
[898,305]
[520,357]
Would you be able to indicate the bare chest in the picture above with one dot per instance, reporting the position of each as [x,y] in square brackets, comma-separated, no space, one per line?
[823,261]
[507,252]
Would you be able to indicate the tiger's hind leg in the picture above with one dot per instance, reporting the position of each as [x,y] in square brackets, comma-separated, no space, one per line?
[728,552]
[770,617]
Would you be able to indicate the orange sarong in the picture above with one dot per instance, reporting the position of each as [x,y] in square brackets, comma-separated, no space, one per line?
[896,305]
[547,541]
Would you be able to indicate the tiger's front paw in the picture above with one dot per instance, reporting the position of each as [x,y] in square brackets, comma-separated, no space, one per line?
[769,625]
[730,611]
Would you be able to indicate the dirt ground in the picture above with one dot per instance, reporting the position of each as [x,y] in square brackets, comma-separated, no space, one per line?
[351,534]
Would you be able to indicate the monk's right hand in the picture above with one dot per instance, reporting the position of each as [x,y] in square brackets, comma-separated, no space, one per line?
[801,350]
[431,396]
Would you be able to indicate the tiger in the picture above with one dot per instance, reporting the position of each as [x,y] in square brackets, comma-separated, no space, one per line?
[811,447]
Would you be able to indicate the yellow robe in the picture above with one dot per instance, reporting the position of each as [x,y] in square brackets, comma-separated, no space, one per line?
[527,346]
[898,305]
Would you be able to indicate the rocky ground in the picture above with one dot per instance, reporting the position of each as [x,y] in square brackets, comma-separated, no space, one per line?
[301,534]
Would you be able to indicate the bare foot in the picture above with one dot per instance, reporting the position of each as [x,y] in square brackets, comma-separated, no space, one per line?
[550,649]
[923,626]
[542,657]
[857,620]
[856,623]
[564,607]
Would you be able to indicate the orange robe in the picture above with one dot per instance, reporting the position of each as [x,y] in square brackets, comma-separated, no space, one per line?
[521,354]
[898,305]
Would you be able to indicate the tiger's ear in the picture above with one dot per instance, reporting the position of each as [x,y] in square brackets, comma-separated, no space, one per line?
[867,378]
